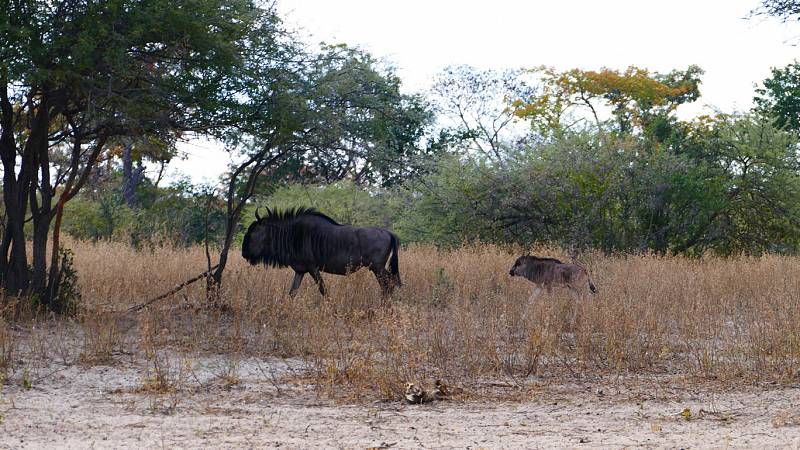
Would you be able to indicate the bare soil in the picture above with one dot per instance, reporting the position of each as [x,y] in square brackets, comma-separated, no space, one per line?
[263,403]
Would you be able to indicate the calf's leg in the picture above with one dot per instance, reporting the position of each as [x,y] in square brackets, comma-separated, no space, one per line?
[575,291]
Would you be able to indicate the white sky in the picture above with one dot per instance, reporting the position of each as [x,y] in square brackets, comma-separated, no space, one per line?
[420,37]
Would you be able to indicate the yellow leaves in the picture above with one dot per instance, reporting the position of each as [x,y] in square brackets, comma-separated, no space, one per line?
[634,84]
[632,94]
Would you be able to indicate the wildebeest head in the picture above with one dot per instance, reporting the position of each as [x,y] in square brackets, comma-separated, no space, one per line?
[254,242]
[282,237]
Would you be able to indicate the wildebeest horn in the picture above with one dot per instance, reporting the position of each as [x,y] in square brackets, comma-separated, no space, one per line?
[257,216]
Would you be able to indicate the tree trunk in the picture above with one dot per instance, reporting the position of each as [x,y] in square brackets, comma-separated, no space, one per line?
[41,229]
[233,219]
[71,188]
[54,278]
[17,189]
[8,152]
[4,246]
[131,177]
[41,207]
[256,166]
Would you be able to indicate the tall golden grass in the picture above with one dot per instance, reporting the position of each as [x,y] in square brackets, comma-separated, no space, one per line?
[458,317]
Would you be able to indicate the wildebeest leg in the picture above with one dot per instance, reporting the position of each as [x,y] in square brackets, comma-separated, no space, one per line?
[385,280]
[318,278]
[298,278]
[536,291]
[575,291]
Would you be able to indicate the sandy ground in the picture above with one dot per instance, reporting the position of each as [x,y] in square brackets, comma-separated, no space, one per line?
[249,407]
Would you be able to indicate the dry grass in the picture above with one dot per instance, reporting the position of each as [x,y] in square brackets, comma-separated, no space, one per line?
[459,317]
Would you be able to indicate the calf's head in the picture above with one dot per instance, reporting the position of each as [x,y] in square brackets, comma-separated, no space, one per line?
[518,269]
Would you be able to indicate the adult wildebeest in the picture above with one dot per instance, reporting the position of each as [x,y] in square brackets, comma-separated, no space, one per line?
[548,272]
[311,242]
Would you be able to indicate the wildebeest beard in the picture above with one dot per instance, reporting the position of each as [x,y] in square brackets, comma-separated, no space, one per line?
[287,239]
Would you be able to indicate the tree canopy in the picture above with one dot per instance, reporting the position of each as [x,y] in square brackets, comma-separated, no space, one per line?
[77,75]
[779,97]
[638,99]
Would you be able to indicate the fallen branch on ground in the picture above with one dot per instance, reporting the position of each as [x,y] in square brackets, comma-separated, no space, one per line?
[177,288]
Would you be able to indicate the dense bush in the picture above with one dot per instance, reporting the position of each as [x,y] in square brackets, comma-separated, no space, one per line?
[170,216]
[728,185]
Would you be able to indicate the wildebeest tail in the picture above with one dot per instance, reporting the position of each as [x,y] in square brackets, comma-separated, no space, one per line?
[591,287]
[394,264]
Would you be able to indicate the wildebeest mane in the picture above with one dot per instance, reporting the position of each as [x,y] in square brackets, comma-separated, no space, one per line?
[291,235]
[277,215]
[537,258]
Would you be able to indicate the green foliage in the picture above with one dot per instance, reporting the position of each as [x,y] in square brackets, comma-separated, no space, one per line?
[440,208]
[752,168]
[78,78]
[177,216]
[340,115]
[366,129]
[726,184]
[95,220]
[339,136]
[729,186]
[167,216]
[154,64]
[344,201]
[779,97]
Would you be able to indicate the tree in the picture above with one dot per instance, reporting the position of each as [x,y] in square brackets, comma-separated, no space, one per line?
[364,128]
[729,185]
[749,187]
[779,97]
[323,117]
[638,100]
[77,75]
[786,10]
[133,153]
[475,108]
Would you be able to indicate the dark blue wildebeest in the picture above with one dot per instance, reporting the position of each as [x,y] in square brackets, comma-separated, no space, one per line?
[311,242]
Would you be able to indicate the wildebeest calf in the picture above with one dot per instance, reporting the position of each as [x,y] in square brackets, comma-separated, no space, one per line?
[549,272]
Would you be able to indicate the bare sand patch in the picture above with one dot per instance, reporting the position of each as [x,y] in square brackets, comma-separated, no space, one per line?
[259,406]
